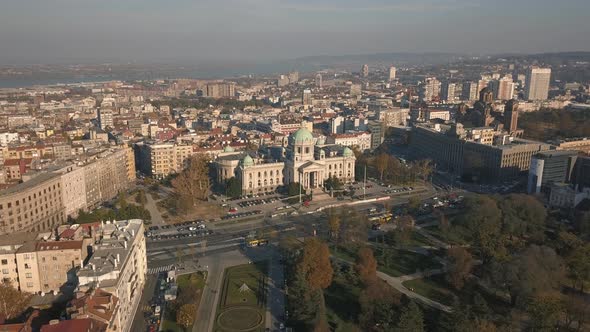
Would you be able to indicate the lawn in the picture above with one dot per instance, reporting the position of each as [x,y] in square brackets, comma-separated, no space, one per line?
[434,288]
[400,262]
[190,289]
[242,305]
[451,238]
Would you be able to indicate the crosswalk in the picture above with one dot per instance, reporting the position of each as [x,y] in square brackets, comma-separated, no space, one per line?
[156,270]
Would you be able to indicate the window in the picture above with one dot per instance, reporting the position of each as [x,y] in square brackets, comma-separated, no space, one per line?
[5,262]
[4,271]
[28,275]
[54,258]
[29,285]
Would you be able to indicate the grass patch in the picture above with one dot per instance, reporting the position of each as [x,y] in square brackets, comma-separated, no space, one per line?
[190,289]
[434,288]
[401,262]
[342,306]
[452,237]
[242,309]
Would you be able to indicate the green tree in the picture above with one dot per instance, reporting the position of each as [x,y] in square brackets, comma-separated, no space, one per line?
[544,312]
[579,266]
[233,187]
[411,319]
[193,183]
[381,163]
[482,225]
[522,215]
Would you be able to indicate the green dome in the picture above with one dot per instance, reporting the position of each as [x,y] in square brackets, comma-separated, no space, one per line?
[248,161]
[302,135]
[228,149]
[347,152]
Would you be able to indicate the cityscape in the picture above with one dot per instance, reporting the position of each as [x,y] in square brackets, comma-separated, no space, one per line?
[317,181]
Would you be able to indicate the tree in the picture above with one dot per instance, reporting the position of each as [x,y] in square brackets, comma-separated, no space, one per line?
[366,265]
[141,199]
[482,224]
[122,200]
[193,183]
[355,227]
[414,204]
[522,215]
[579,266]
[334,225]
[12,302]
[576,311]
[411,319]
[315,264]
[379,306]
[294,188]
[423,168]
[536,270]
[381,163]
[544,312]
[460,265]
[185,316]
[233,187]
[333,183]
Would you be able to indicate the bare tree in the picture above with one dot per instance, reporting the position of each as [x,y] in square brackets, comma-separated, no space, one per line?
[193,183]
[12,302]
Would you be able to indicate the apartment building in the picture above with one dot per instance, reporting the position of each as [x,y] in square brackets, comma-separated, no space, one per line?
[9,244]
[361,140]
[118,265]
[162,159]
[45,266]
[34,205]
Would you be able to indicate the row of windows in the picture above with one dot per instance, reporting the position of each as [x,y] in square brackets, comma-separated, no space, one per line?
[34,196]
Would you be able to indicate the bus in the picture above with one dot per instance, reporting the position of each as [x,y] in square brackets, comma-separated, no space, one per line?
[256,243]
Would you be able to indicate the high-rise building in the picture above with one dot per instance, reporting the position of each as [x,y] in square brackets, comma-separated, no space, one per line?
[503,88]
[392,73]
[283,80]
[430,89]
[221,90]
[537,83]
[448,91]
[376,130]
[318,81]
[486,95]
[293,77]
[469,91]
[365,70]
[511,116]
[307,99]
[105,118]
[581,173]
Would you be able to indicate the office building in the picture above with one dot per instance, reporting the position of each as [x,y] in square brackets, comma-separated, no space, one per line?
[581,173]
[550,167]
[537,83]
[118,265]
[293,77]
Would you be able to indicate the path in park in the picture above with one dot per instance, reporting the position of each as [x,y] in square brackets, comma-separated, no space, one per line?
[151,206]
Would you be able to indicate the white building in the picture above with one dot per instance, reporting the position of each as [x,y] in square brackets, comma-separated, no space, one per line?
[305,162]
[537,83]
[118,265]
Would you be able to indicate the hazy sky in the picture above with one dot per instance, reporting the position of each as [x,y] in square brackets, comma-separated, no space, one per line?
[184,30]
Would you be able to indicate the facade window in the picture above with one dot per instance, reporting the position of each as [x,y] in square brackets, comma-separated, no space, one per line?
[28,275]
[5,262]
[4,271]
[29,285]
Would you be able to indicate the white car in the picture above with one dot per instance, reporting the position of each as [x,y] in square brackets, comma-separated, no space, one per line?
[192,228]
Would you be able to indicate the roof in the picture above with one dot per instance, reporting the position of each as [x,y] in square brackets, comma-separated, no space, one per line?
[302,135]
[75,325]
[58,245]
[248,161]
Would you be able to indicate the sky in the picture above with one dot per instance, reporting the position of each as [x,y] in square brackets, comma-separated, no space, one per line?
[187,31]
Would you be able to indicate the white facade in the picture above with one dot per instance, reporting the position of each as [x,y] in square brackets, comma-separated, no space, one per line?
[537,83]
